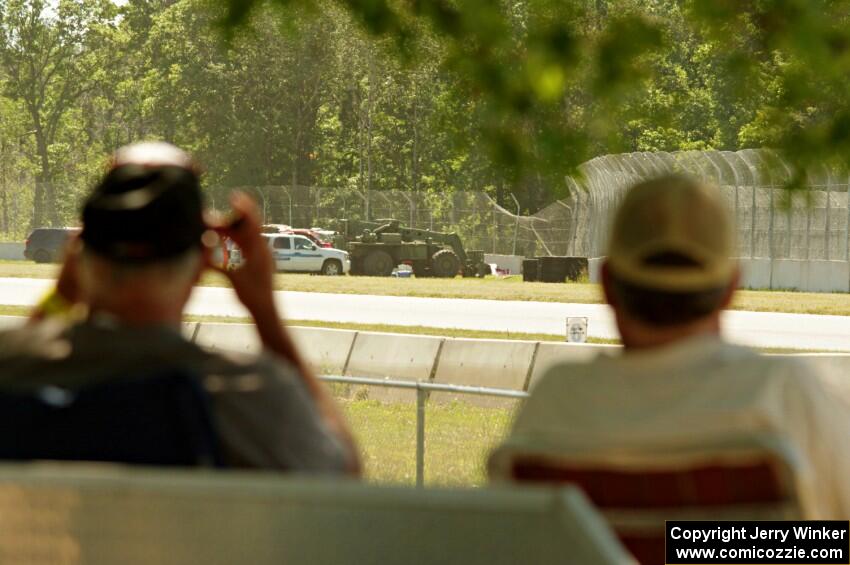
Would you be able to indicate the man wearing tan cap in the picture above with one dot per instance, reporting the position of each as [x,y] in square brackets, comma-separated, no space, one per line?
[678,384]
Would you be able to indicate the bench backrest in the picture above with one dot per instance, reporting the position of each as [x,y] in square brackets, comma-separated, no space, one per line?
[141,516]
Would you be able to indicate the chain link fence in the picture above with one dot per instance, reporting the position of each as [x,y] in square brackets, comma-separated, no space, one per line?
[480,221]
[772,222]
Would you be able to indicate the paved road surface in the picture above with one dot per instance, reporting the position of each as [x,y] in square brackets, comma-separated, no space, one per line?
[764,329]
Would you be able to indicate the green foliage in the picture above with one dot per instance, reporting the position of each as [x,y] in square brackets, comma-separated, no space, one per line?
[801,51]
[52,55]
[714,74]
[429,96]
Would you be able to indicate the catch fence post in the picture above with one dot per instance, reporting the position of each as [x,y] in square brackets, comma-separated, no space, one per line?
[516,224]
[847,230]
[495,226]
[421,394]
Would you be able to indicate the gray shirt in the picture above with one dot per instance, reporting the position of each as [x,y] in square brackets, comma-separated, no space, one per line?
[264,414]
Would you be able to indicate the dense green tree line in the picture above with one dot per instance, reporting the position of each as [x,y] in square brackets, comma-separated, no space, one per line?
[430,96]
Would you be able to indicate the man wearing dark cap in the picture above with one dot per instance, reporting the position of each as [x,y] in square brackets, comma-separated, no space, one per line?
[678,384]
[119,302]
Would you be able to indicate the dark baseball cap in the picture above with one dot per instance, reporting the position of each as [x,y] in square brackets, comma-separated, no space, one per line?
[147,208]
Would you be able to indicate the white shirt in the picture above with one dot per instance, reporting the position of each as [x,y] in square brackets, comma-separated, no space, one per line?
[697,391]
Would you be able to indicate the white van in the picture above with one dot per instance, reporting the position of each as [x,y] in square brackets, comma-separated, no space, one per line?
[299,254]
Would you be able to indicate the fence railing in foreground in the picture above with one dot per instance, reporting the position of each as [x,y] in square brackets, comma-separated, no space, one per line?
[421,389]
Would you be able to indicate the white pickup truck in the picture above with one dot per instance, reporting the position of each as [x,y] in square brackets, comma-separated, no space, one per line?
[297,253]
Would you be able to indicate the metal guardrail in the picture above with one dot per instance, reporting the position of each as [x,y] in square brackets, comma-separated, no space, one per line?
[421,389]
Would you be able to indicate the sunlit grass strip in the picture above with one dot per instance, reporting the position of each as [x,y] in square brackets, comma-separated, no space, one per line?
[458,438]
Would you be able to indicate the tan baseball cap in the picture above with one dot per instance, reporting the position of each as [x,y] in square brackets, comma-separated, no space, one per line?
[673,216]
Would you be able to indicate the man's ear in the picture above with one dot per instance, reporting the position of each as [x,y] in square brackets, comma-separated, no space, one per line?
[605,272]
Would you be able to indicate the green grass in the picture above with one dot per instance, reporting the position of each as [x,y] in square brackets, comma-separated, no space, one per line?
[490,288]
[458,438]
[28,269]
[7,310]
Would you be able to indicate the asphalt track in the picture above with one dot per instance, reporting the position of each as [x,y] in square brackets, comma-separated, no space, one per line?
[761,329]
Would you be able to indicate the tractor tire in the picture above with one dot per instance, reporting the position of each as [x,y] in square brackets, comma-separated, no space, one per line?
[41,256]
[331,267]
[378,264]
[445,264]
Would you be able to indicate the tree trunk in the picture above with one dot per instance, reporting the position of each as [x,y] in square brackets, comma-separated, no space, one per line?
[296,149]
[50,202]
[37,204]
[5,208]
[414,166]
[293,180]
[44,201]
[369,103]
[5,197]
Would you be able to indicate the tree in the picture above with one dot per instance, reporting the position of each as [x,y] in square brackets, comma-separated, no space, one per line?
[522,60]
[48,57]
[15,170]
[428,96]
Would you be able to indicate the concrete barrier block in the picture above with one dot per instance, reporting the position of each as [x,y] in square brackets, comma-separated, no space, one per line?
[788,274]
[549,354]
[325,350]
[12,250]
[485,363]
[839,276]
[817,276]
[188,330]
[510,263]
[241,338]
[827,276]
[594,269]
[755,273]
[393,356]
[11,322]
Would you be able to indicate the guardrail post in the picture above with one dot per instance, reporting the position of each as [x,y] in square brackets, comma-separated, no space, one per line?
[422,389]
[420,436]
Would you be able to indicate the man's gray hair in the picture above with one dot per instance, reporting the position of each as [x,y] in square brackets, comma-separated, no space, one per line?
[173,272]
